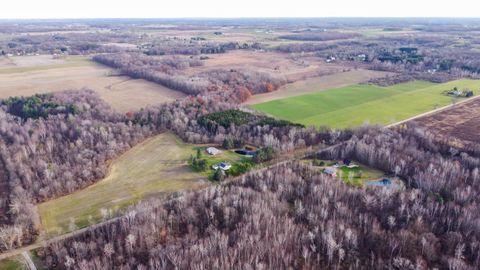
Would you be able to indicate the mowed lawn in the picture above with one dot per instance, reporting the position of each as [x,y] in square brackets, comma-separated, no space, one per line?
[155,167]
[358,104]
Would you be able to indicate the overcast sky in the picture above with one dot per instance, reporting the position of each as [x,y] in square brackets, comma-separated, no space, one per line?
[238,8]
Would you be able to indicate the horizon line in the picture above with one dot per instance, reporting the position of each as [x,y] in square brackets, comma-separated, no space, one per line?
[239,18]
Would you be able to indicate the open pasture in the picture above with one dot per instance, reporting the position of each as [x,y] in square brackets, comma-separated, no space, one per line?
[358,104]
[156,167]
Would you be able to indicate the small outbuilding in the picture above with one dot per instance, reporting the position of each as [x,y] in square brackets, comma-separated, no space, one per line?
[213,151]
[330,171]
[225,166]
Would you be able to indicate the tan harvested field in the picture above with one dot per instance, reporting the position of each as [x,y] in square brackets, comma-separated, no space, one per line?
[36,60]
[459,124]
[279,64]
[121,92]
[317,84]
[6,62]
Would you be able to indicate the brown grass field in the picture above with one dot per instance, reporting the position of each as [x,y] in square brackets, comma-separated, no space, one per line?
[459,124]
[277,64]
[316,84]
[122,93]
[34,60]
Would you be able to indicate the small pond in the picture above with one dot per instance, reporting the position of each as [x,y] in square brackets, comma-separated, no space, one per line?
[385,182]
[245,152]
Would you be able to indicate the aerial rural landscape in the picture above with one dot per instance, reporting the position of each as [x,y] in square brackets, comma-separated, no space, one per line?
[261,143]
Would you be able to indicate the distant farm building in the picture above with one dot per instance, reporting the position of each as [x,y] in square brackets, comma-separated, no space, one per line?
[213,151]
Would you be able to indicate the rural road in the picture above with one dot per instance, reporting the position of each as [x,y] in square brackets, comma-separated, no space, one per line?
[29,261]
[432,111]
[21,250]
[24,250]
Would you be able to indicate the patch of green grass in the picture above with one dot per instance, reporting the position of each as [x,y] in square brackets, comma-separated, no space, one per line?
[156,167]
[358,104]
[37,261]
[240,164]
[15,263]
[355,176]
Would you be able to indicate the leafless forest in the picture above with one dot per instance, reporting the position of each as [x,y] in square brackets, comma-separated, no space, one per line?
[284,214]
[290,216]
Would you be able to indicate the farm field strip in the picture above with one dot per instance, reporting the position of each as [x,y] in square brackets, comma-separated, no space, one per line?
[317,84]
[67,63]
[155,167]
[357,104]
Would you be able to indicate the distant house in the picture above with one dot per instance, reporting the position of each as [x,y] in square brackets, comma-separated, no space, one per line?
[330,59]
[330,171]
[213,151]
[222,166]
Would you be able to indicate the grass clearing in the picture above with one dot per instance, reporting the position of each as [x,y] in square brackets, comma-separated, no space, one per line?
[156,167]
[240,164]
[355,176]
[358,104]
[37,261]
[15,263]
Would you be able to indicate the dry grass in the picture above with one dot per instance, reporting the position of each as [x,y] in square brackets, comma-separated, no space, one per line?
[39,60]
[122,93]
[317,84]
[458,124]
[155,167]
[277,64]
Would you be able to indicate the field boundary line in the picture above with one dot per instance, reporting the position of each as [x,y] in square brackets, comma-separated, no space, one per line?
[432,112]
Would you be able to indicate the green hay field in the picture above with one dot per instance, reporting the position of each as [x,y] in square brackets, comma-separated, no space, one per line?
[359,104]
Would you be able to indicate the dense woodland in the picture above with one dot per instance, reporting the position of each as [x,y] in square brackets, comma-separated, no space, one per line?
[292,216]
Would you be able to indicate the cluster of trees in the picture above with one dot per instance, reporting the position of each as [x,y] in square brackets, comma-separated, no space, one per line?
[418,56]
[36,106]
[66,43]
[193,46]
[188,118]
[233,85]
[437,77]
[293,216]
